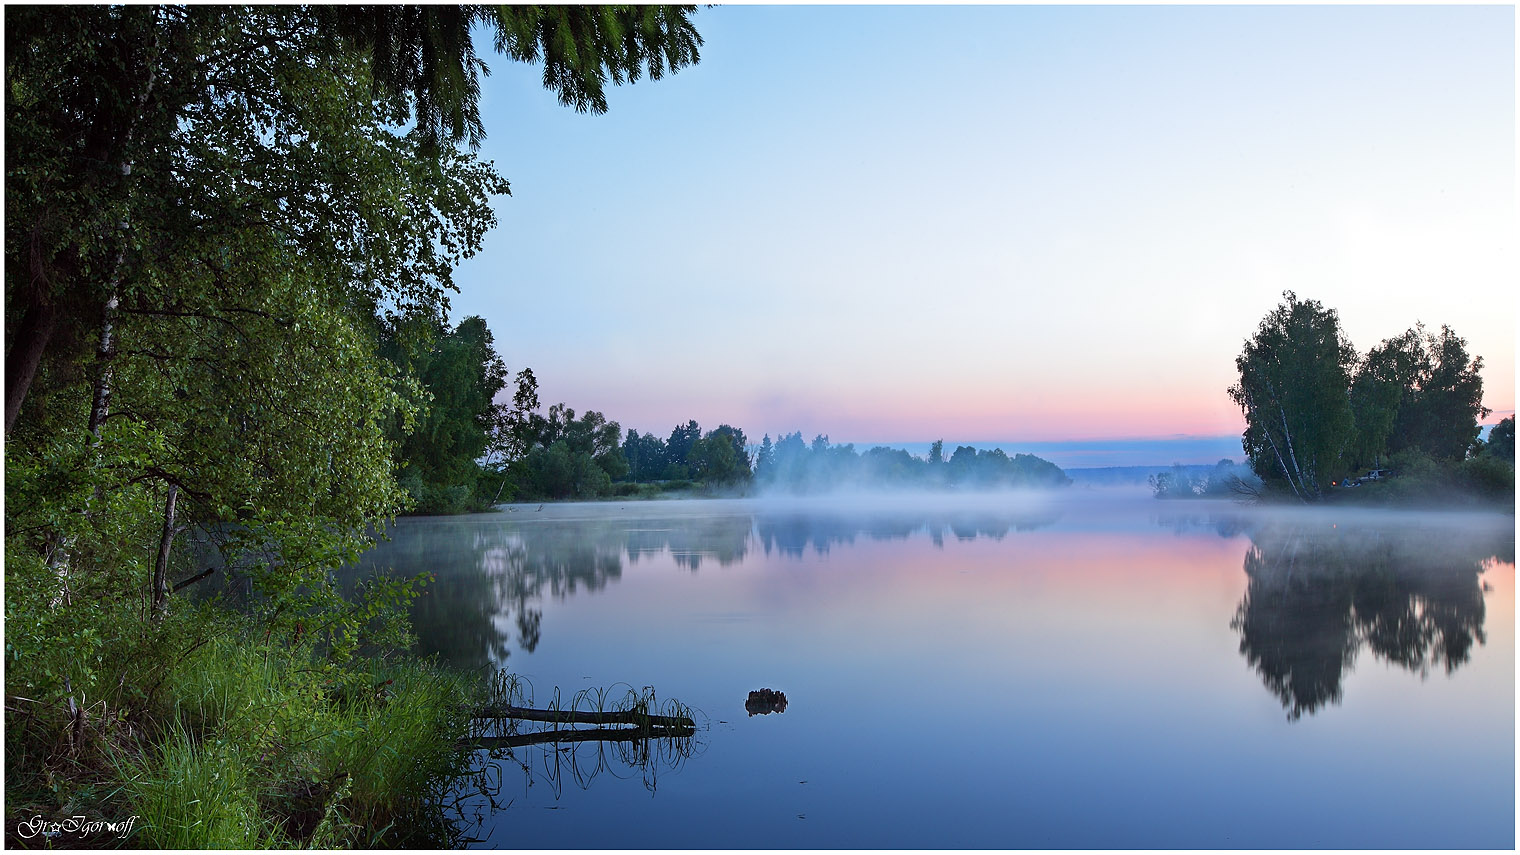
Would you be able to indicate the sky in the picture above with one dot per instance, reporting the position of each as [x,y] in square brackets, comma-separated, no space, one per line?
[999,225]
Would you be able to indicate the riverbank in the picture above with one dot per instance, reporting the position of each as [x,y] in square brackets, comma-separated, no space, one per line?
[242,742]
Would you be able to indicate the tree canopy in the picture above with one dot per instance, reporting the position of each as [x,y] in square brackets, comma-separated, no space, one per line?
[1293,378]
[220,221]
[1316,411]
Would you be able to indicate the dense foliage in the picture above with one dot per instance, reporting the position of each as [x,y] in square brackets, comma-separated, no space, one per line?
[458,375]
[561,457]
[1317,413]
[230,235]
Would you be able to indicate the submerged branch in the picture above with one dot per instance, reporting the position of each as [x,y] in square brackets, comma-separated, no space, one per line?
[599,734]
[644,721]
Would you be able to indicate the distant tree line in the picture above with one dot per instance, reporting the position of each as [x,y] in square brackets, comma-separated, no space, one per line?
[1225,479]
[797,466]
[465,451]
[1317,412]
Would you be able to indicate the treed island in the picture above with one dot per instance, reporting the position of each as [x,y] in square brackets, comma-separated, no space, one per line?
[229,244]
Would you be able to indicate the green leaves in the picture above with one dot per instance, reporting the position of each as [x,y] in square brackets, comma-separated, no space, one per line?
[1294,377]
[1315,412]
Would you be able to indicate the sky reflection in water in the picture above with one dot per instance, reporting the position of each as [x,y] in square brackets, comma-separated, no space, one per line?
[1006,674]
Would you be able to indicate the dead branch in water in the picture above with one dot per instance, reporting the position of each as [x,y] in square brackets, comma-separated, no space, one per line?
[599,734]
[585,717]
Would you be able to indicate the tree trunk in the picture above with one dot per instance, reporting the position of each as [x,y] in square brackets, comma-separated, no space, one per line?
[1251,404]
[161,567]
[100,406]
[25,355]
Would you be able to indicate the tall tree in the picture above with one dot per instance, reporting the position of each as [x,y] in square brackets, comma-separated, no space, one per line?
[682,437]
[1501,440]
[645,454]
[460,376]
[720,457]
[1382,382]
[1294,376]
[206,208]
[1443,397]
[96,91]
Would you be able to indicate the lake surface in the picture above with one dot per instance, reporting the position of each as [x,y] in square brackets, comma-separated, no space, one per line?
[1089,671]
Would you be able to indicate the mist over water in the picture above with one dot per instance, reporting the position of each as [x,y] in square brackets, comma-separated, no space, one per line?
[1124,671]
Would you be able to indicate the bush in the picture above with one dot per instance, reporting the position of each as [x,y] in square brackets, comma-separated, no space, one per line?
[1492,478]
[338,755]
[1423,481]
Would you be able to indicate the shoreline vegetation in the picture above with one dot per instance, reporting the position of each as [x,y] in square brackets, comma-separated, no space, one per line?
[231,236]
[1319,415]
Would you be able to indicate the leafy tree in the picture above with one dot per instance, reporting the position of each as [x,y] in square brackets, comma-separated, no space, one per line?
[559,472]
[720,457]
[569,456]
[205,212]
[1501,441]
[1378,389]
[1443,398]
[892,466]
[1294,376]
[110,110]
[461,375]
[679,445]
[596,437]
[645,454]
[512,432]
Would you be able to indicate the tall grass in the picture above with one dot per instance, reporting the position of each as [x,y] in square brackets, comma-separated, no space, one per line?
[190,794]
[262,746]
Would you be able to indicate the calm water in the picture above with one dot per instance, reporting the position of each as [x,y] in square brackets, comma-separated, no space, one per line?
[1093,672]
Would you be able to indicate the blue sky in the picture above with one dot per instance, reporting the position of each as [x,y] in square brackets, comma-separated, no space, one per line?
[1001,224]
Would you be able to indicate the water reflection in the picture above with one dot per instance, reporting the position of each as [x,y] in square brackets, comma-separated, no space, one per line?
[659,740]
[493,574]
[794,533]
[1319,594]
[492,579]
[1132,651]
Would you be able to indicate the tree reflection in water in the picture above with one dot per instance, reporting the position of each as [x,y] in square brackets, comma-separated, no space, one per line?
[1318,594]
[492,574]
[794,533]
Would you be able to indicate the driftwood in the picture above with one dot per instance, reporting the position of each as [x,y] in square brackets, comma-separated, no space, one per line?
[585,717]
[596,734]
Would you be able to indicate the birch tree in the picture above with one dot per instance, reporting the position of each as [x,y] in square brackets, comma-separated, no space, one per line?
[1295,374]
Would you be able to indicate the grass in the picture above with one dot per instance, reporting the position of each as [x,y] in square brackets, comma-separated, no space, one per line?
[244,743]
[248,745]
[190,794]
